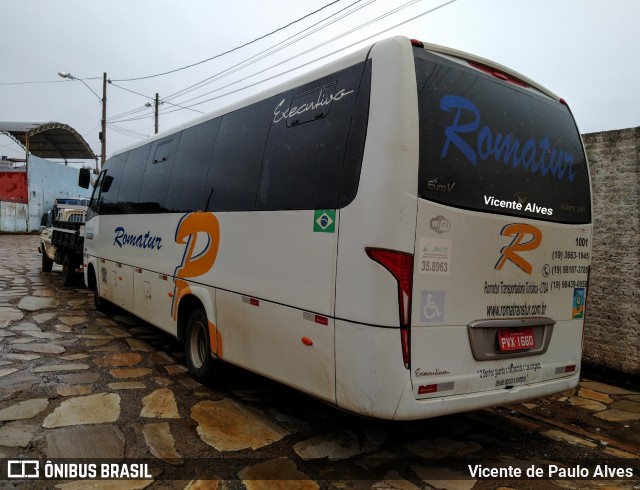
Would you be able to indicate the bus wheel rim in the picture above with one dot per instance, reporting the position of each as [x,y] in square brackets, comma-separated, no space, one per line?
[198,345]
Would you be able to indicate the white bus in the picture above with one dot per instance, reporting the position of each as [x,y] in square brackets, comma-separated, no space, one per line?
[404,233]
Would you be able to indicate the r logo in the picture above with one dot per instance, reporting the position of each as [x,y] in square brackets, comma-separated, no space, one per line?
[192,228]
[519,231]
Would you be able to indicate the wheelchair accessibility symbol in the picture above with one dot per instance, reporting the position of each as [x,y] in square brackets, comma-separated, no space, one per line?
[432,307]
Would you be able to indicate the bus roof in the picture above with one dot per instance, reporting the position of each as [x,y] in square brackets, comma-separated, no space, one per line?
[330,67]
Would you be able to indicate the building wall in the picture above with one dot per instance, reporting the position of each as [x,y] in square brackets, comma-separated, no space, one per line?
[47,181]
[13,216]
[13,186]
[612,336]
[13,199]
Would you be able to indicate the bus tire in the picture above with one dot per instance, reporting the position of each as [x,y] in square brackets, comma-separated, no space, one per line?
[68,271]
[101,304]
[197,347]
[47,263]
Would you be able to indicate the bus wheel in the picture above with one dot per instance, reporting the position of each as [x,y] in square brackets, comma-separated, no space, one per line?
[101,304]
[47,263]
[197,347]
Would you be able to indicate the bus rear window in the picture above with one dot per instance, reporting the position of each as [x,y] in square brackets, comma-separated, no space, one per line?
[491,146]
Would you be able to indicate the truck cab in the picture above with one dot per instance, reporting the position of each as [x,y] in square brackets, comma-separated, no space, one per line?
[62,237]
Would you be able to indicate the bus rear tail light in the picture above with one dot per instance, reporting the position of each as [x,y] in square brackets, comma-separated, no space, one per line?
[405,339]
[435,388]
[571,368]
[498,74]
[400,265]
[564,102]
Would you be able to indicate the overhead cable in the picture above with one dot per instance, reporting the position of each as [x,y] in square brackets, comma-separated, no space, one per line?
[308,51]
[303,34]
[361,26]
[230,50]
[273,48]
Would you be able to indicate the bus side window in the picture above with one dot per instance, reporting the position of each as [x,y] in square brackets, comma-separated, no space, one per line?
[186,187]
[108,200]
[155,183]
[307,143]
[95,196]
[350,174]
[129,193]
[232,181]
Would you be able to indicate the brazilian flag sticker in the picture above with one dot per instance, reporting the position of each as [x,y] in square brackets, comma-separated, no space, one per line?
[324,221]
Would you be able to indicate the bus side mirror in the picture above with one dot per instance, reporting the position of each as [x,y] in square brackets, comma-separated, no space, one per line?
[84,178]
[44,220]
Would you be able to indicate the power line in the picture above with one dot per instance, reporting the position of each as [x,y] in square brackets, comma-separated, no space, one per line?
[128,113]
[245,63]
[94,128]
[272,48]
[325,56]
[230,50]
[309,50]
[129,90]
[361,26]
[128,132]
[187,66]
[150,98]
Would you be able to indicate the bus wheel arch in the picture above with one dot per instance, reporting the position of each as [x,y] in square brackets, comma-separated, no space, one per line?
[193,331]
[100,303]
[187,304]
[92,283]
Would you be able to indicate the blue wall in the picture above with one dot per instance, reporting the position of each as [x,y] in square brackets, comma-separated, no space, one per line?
[48,180]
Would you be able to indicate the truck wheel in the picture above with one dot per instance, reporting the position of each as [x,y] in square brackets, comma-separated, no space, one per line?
[68,271]
[47,263]
[197,347]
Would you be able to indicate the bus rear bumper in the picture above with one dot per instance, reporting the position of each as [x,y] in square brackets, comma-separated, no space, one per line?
[411,409]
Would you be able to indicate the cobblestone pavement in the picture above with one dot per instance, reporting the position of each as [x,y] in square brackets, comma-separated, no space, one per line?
[75,384]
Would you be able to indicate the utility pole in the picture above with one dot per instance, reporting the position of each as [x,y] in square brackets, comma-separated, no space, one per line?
[103,134]
[156,112]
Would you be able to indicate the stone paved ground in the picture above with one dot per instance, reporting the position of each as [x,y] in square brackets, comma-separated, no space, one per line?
[75,383]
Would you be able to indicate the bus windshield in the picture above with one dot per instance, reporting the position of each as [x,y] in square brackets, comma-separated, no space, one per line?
[493,146]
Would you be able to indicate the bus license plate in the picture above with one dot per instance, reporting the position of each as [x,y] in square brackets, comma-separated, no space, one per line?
[509,340]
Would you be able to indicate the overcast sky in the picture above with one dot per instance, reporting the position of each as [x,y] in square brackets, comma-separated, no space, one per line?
[586,51]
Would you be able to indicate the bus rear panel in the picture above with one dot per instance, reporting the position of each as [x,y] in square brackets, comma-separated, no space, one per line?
[495,276]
